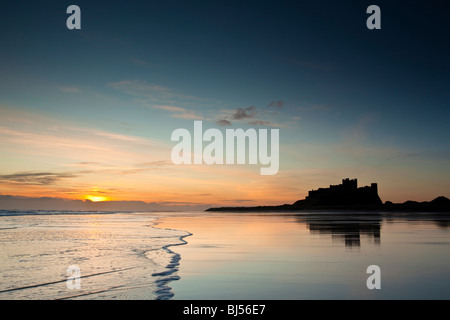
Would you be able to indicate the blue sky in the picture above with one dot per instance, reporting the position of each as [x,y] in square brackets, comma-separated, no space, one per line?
[347,100]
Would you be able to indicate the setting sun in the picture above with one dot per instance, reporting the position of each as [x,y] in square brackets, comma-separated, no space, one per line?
[95,198]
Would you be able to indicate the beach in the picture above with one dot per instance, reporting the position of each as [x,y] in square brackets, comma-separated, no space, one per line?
[120,256]
[198,255]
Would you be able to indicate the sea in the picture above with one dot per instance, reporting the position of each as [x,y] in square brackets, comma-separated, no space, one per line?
[62,255]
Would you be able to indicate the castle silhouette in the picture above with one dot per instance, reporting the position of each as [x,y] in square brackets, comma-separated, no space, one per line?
[345,194]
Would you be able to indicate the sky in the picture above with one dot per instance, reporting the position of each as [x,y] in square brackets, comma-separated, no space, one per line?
[86,116]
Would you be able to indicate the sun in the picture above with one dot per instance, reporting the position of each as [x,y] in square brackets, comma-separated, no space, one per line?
[96,198]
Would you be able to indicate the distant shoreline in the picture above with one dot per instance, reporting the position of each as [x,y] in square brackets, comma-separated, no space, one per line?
[440,204]
[348,196]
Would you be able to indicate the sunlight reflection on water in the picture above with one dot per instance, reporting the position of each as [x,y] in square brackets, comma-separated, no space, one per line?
[312,256]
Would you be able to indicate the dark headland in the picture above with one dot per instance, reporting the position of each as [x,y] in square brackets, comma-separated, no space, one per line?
[347,196]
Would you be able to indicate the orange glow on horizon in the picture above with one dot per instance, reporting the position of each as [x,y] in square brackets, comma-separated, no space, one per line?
[96,198]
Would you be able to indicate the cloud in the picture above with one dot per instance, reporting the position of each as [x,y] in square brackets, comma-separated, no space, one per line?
[158,163]
[180,113]
[150,92]
[253,116]
[57,151]
[276,104]
[10,202]
[135,86]
[47,178]
[45,132]
[158,97]
[259,122]
[247,113]
[36,178]
[237,200]
[265,123]
[171,108]
[115,136]
[189,115]
[223,122]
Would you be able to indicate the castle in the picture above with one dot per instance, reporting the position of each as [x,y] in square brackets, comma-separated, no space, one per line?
[347,196]
[344,194]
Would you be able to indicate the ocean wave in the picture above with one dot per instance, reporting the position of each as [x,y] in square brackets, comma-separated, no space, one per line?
[172,263]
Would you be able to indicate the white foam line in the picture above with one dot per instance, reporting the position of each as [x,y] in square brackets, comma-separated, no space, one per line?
[163,290]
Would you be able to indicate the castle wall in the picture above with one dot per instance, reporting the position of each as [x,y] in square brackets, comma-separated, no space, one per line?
[345,193]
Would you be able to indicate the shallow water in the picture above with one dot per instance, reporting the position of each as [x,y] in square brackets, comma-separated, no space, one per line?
[228,256]
[120,256]
[313,256]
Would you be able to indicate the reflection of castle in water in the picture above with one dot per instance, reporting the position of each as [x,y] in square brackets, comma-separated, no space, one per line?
[349,229]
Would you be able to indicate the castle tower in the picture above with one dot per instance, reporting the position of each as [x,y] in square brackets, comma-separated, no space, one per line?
[350,183]
[374,187]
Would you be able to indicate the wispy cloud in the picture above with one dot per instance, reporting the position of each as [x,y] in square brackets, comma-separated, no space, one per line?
[254,116]
[237,200]
[114,136]
[157,163]
[244,113]
[54,203]
[276,104]
[68,138]
[36,178]
[158,97]
[266,123]
[181,113]
[151,92]
[223,122]
[50,141]
[171,108]
[189,115]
